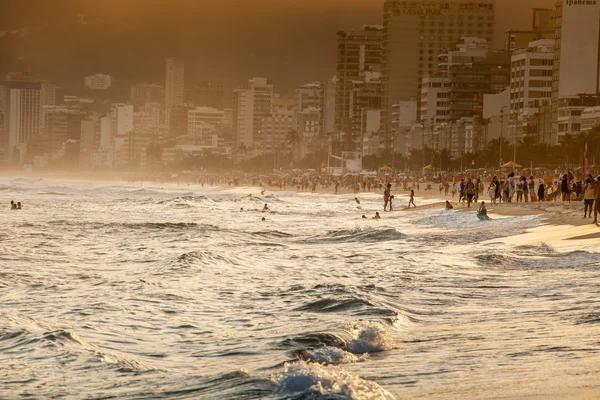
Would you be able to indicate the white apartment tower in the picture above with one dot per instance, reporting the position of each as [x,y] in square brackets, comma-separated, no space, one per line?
[24,110]
[174,89]
[414,33]
[576,69]
[530,82]
[250,106]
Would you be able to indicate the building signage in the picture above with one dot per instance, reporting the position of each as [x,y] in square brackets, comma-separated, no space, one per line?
[580,2]
[398,10]
[422,11]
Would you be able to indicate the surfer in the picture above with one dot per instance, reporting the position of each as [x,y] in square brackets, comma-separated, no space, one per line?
[387,197]
[449,206]
[412,199]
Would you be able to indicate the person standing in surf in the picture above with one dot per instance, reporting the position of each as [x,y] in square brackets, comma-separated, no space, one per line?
[412,199]
[387,197]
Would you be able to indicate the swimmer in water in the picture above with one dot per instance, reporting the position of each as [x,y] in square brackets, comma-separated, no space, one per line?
[448,205]
[19,206]
[377,216]
[266,208]
[364,216]
[13,206]
[262,192]
[242,209]
[357,200]
[263,218]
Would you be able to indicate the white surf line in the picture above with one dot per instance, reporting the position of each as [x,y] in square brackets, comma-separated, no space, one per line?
[554,235]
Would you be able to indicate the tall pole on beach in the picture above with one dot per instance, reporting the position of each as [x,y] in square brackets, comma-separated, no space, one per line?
[501,131]
[514,148]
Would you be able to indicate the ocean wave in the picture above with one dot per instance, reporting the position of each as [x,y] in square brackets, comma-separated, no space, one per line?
[29,336]
[357,235]
[309,380]
[370,337]
[356,305]
[204,257]
[538,257]
[331,355]
[136,226]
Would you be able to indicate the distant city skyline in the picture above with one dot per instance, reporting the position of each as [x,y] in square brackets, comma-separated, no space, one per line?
[291,43]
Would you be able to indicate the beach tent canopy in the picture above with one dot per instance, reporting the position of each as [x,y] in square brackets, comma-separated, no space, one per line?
[511,164]
[386,168]
[428,168]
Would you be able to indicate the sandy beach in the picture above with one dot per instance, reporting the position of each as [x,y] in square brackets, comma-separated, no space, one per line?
[564,226]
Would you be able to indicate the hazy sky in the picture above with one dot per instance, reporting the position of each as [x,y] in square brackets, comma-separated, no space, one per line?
[291,41]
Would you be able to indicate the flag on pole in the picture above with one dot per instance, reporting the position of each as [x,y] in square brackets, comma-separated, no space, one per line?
[585,158]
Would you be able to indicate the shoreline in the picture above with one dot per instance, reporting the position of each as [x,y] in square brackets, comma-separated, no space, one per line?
[564,216]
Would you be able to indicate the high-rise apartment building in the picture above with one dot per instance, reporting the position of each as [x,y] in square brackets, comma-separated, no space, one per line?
[207,94]
[329,93]
[62,125]
[143,93]
[202,125]
[359,52]
[576,68]
[174,86]
[530,83]
[250,106]
[309,102]
[414,33]
[470,82]
[23,114]
[542,27]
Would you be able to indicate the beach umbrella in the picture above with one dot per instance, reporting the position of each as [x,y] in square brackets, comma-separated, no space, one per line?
[511,164]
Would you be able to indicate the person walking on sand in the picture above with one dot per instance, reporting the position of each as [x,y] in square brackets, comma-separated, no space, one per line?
[387,197]
[588,198]
[470,192]
[519,186]
[453,190]
[492,192]
[541,193]
[531,188]
[596,186]
[412,199]
[511,186]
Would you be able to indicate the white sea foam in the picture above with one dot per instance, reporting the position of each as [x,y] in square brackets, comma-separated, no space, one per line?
[332,355]
[370,337]
[318,379]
